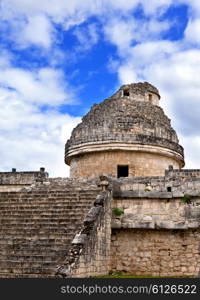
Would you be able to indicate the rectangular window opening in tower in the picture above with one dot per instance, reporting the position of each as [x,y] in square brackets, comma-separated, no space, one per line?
[122,171]
[126,93]
[150,98]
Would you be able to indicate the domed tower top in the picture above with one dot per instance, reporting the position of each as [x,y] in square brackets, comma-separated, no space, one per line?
[128,131]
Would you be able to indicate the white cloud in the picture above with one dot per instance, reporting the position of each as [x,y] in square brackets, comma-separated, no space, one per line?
[127,74]
[32,18]
[124,33]
[30,138]
[193,5]
[87,37]
[191,146]
[120,33]
[38,31]
[43,86]
[156,50]
[5,58]
[155,6]
[192,32]
[61,11]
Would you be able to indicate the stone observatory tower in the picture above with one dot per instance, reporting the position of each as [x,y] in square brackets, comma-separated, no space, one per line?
[126,135]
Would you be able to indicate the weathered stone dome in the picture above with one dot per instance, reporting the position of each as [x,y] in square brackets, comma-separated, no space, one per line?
[129,120]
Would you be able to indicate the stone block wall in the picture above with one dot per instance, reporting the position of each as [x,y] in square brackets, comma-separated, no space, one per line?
[156,252]
[178,181]
[167,213]
[140,92]
[183,173]
[14,181]
[140,164]
[157,232]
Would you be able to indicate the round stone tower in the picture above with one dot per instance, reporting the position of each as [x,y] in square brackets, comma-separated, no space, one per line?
[128,134]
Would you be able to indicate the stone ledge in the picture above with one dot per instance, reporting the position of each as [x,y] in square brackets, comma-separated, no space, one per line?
[142,194]
[117,224]
[117,194]
[123,145]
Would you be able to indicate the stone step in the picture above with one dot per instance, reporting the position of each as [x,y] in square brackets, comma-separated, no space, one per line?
[43,213]
[40,226]
[36,248]
[60,210]
[56,237]
[8,224]
[23,258]
[21,272]
[54,220]
[45,204]
[41,201]
[37,232]
[39,267]
[37,227]
[28,198]
[46,194]
[19,275]
[38,206]
[39,223]
[43,246]
[28,252]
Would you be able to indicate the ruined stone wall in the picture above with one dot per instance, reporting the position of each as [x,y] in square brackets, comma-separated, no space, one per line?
[183,174]
[156,252]
[140,92]
[167,213]
[14,181]
[95,259]
[178,181]
[157,230]
[140,164]
[89,254]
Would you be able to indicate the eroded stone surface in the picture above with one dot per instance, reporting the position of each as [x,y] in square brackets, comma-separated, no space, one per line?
[153,252]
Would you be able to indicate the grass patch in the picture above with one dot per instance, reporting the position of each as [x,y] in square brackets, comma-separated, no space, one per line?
[186,199]
[118,212]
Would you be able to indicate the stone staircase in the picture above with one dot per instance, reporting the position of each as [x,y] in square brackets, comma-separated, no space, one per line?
[38,224]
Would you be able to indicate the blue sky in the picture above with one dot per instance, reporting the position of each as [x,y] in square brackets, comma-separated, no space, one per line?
[58,57]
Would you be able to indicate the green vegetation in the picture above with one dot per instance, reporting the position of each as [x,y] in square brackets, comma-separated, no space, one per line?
[186,199]
[147,190]
[118,212]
